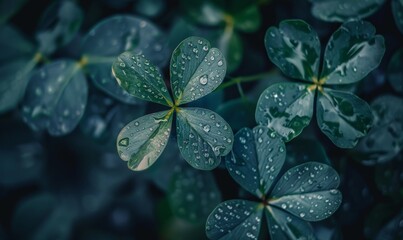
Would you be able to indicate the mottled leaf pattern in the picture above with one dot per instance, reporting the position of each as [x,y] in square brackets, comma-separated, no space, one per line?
[143,140]
[294,48]
[193,194]
[196,69]
[55,98]
[285,226]
[203,137]
[286,108]
[343,117]
[351,53]
[115,35]
[308,191]
[343,10]
[235,219]
[140,78]
[256,159]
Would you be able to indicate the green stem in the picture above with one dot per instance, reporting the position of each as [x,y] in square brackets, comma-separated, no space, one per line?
[243,79]
[240,90]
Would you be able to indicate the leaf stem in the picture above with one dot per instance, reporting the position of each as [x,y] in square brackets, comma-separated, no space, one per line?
[240,90]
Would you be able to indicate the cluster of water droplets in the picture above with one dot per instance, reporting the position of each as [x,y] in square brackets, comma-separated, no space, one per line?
[256,159]
[236,218]
[140,78]
[204,136]
[308,191]
[286,108]
[196,69]
[298,58]
[140,134]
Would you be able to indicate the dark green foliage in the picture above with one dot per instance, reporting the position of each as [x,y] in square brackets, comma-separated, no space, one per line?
[305,192]
[85,84]
[351,53]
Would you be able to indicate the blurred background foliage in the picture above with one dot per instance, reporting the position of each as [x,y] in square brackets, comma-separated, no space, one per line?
[60,175]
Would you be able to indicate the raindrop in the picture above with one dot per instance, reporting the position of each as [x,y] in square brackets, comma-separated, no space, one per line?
[220,63]
[302,215]
[206,128]
[203,79]
[124,142]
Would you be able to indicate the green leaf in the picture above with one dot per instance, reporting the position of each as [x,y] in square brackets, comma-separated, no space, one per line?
[103,118]
[395,71]
[397,9]
[203,137]
[243,15]
[352,52]
[140,78]
[248,19]
[392,229]
[22,156]
[308,191]
[193,194]
[58,26]
[9,8]
[294,48]
[388,179]
[143,140]
[13,82]
[343,10]
[343,117]
[286,108]
[55,98]
[13,45]
[256,159]
[229,42]
[285,226]
[384,140]
[208,13]
[115,35]
[235,219]
[43,217]
[196,69]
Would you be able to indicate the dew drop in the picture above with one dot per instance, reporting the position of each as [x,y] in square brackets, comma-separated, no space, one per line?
[220,63]
[206,128]
[203,79]
[124,142]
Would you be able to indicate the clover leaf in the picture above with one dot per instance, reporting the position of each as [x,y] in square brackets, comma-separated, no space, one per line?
[344,10]
[306,192]
[56,97]
[383,142]
[351,53]
[117,34]
[228,19]
[17,60]
[203,136]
